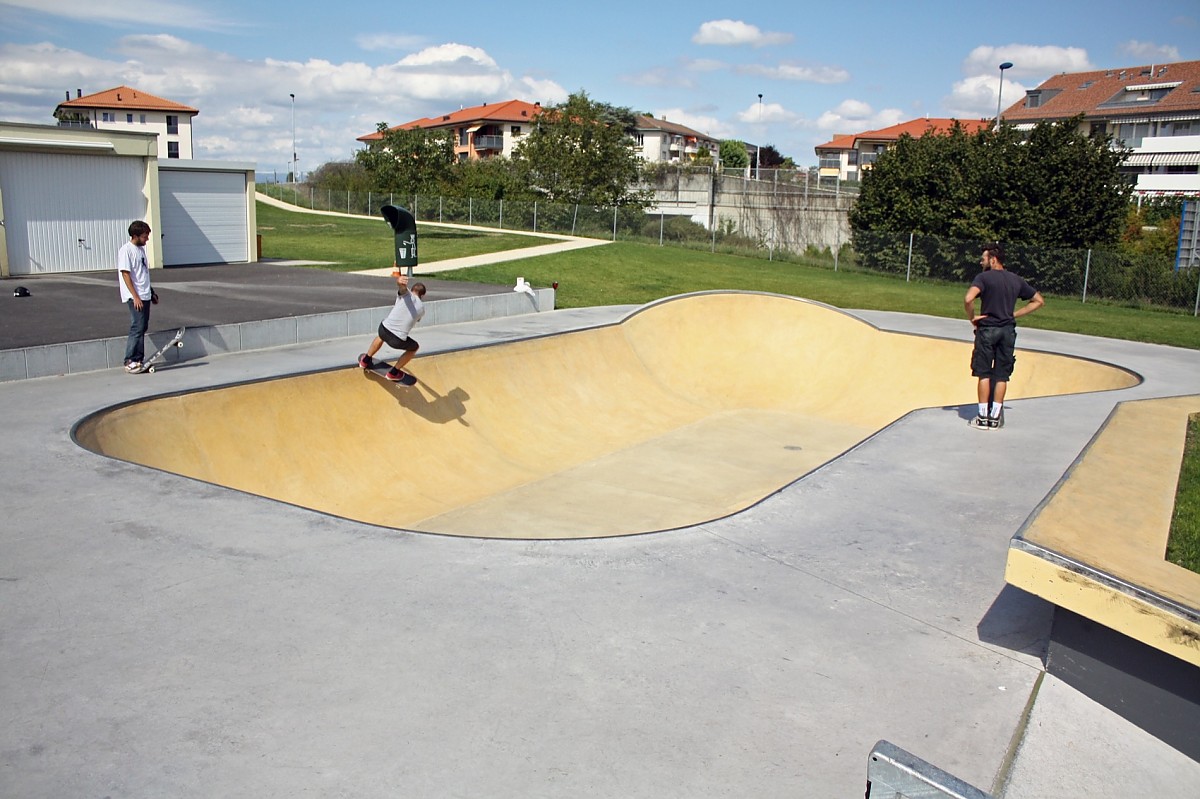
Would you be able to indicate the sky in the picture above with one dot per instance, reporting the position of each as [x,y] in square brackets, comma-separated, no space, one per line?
[821,69]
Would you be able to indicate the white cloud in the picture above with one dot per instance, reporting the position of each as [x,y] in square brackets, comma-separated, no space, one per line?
[770,113]
[855,116]
[976,97]
[730,32]
[245,110]
[388,41]
[1028,61]
[129,13]
[1149,52]
[796,73]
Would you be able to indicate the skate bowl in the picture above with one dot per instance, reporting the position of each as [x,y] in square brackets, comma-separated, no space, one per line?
[688,410]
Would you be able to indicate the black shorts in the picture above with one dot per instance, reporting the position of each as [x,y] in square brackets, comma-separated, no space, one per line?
[395,342]
[994,355]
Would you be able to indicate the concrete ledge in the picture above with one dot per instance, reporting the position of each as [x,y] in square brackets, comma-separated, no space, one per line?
[1096,545]
[1127,622]
[107,353]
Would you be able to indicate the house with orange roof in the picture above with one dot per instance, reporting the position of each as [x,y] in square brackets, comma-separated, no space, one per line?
[495,129]
[1153,109]
[124,108]
[482,131]
[847,156]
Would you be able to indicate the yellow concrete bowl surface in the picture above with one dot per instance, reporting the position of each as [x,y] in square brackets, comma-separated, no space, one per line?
[690,409]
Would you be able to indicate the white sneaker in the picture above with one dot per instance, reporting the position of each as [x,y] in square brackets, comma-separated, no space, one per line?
[133,367]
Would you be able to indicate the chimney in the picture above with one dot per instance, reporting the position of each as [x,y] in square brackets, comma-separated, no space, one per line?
[68,95]
[78,93]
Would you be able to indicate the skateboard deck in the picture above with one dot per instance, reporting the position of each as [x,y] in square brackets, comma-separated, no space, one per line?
[382,368]
[149,364]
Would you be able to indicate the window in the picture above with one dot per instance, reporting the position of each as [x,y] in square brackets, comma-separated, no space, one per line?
[515,130]
[129,118]
[172,149]
[142,118]
[172,125]
[108,116]
[1131,135]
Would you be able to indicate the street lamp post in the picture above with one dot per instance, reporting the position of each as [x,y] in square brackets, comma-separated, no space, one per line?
[294,180]
[1000,92]
[758,147]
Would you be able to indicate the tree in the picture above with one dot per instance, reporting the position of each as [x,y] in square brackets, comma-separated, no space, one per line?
[769,157]
[734,155]
[580,152]
[410,161]
[341,176]
[1053,188]
[488,179]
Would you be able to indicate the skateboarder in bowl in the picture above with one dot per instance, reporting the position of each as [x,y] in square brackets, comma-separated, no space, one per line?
[394,330]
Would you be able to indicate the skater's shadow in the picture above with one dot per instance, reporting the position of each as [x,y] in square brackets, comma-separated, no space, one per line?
[425,401]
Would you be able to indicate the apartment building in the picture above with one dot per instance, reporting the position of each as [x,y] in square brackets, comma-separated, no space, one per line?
[847,156]
[129,110]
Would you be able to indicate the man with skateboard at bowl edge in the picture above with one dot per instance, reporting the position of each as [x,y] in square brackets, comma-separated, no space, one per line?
[993,357]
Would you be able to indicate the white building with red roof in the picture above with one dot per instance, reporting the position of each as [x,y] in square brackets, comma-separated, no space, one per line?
[482,131]
[132,111]
[1153,109]
[847,156]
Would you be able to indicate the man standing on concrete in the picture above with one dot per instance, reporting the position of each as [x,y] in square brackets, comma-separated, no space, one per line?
[136,293]
[996,330]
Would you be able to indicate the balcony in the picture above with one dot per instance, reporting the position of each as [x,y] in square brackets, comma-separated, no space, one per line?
[489,142]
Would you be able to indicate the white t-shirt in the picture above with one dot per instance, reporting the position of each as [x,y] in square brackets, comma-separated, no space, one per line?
[132,259]
[407,311]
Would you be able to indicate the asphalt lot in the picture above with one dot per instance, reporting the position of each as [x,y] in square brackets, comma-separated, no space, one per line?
[82,306]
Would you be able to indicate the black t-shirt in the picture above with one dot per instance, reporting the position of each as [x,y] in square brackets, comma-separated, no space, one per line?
[999,290]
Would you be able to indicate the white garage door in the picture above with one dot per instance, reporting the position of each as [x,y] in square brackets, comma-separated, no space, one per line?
[68,213]
[204,217]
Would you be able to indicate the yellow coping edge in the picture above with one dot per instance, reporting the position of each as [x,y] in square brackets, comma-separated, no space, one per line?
[1096,545]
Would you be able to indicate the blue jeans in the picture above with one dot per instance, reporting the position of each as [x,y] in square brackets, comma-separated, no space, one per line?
[135,345]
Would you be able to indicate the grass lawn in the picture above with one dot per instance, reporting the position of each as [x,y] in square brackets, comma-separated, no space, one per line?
[635,273]
[1183,546]
[625,272]
[365,243]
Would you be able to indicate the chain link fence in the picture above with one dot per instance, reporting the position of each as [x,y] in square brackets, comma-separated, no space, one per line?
[1089,275]
[764,219]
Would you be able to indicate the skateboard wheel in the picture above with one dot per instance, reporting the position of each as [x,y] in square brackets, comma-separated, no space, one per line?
[150,370]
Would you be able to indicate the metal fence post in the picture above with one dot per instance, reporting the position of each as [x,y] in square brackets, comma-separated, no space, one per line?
[535,216]
[614,238]
[574,219]
[1087,270]
[908,271]
[502,214]
[661,218]
[1196,307]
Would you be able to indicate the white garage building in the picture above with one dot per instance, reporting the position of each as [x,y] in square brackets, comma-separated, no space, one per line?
[67,196]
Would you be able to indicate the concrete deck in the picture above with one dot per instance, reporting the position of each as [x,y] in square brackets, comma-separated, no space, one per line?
[164,636]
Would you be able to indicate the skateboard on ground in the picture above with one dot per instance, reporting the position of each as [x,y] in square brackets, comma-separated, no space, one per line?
[149,363]
[383,367]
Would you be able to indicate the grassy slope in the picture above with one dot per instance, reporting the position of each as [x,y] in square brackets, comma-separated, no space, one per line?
[636,273]
[365,243]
